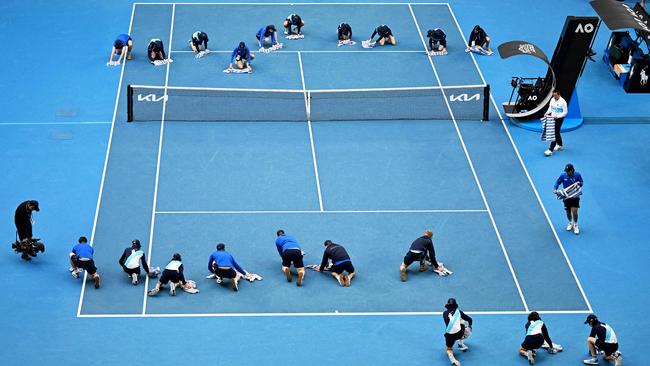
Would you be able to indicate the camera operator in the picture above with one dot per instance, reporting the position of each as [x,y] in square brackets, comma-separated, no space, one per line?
[23,220]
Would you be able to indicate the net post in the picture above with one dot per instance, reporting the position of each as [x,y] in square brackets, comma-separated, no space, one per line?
[308,104]
[129,103]
[486,103]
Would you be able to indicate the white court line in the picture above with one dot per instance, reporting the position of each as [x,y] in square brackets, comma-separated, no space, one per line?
[319,51]
[55,123]
[311,134]
[369,313]
[471,165]
[161,3]
[312,212]
[530,180]
[160,145]
[108,151]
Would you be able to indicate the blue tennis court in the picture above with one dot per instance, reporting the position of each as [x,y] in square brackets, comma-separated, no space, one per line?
[189,177]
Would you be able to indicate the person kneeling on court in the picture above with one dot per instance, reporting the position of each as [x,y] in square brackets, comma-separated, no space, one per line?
[267,36]
[479,41]
[421,249]
[242,57]
[536,335]
[341,263]
[344,33]
[173,274]
[385,34]
[156,50]
[602,338]
[290,252]
[81,257]
[131,259]
[437,42]
[223,265]
[293,25]
[199,39]
[122,48]
[456,329]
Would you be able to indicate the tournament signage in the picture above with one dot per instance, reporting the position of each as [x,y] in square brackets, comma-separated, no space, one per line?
[618,15]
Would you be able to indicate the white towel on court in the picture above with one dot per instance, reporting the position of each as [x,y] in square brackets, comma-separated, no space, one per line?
[295,36]
[437,53]
[479,50]
[162,62]
[112,63]
[154,272]
[191,287]
[347,42]
[251,277]
[201,54]
[233,70]
[273,48]
[442,271]
[368,43]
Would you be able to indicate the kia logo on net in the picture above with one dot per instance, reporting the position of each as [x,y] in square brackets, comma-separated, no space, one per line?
[151,98]
[464,97]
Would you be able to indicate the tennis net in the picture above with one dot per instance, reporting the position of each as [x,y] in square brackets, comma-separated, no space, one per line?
[467,102]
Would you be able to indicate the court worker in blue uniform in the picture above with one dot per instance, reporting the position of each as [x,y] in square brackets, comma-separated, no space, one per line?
[82,257]
[420,250]
[267,36]
[571,205]
[290,253]
[242,57]
[122,47]
[223,265]
[341,269]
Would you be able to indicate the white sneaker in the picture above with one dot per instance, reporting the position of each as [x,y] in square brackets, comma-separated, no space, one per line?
[576,230]
[134,279]
[172,288]
[530,357]
[558,148]
[211,276]
[153,291]
[548,153]
[569,226]
[590,361]
[462,347]
[618,358]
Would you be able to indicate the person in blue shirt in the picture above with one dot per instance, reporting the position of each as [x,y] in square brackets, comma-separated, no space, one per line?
[198,39]
[122,48]
[131,259]
[242,56]
[342,269]
[267,35]
[571,205]
[81,256]
[222,265]
[290,252]
[293,24]
[437,40]
[603,338]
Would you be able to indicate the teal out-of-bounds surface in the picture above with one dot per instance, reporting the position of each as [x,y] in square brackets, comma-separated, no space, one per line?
[61,166]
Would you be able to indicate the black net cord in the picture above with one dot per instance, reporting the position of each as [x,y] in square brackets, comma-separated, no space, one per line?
[486,103]
[129,103]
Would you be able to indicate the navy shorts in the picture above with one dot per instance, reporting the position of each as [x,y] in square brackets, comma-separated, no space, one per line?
[169,275]
[292,256]
[572,202]
[608,348]
[411,257]
[450,339]
[343,267]
[88,265]
[131,271]
[533,342]
[225,273]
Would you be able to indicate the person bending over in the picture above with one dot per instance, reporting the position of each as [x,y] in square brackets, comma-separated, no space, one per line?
[267,36]
[131,259]
[173,274]
[385,34]
[122,48]
[344,32]
[199,39]
[293,24]
[421,249]
[81,256]
[536,335]
[437,40]
[603,338]
[478,39]
[156,50]
[455,321]
[242,57]
[342,269]
[223,265]
[291,253]
[23,222]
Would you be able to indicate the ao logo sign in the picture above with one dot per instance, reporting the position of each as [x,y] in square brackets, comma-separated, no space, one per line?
[151,98]
[464,97]
[587,28]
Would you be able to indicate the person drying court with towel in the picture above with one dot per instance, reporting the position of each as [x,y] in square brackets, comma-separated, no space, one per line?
[344,32]
[81,257]
[342,269]
[437,40]
[385,34]
[572,182]
[421,249]
[199,39]
[267,35]
[536,335]
[121,48]
[290,252]
[455,329]
[156,50]
[293,24]
[223,265]
[602,338]
[131,259]
[478,40]
[173,274]
[242,57]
